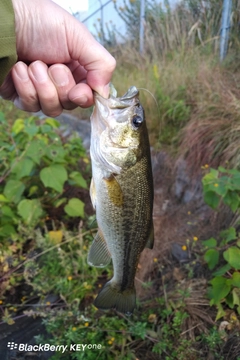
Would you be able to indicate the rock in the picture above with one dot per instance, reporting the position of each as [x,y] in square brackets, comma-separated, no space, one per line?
[71,124]
[179,254]
[186,187]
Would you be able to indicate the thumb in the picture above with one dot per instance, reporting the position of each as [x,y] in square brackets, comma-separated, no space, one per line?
[96,60]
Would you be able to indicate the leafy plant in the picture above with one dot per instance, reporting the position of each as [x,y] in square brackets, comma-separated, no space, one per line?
[213,340]
[222,185]
[225,285]
[36,165]
[172,344]
[173,111]
[158,328]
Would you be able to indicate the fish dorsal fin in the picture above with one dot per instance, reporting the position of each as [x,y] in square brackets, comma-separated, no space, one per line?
[99,255]
[150,241]
[93,193]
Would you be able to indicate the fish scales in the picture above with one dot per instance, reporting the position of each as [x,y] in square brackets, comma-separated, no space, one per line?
[122,194]
[125,223]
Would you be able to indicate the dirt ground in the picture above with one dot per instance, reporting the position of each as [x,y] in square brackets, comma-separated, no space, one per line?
[179,215]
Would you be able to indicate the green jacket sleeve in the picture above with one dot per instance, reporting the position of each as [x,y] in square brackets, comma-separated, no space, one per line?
[8,55]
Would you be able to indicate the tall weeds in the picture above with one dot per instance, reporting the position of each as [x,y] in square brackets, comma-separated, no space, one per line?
[212,136]
[189,22]
[197,98]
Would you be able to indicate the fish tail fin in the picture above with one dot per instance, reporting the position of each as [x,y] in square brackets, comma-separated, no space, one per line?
[111,297]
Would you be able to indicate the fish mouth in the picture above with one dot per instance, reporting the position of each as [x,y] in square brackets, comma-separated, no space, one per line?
[114,108]
[130,94]
[107,112]
[130,98]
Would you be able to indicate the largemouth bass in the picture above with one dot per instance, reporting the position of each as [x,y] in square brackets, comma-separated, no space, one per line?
[121,193]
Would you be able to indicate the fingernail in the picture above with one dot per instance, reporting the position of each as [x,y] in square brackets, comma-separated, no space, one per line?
[104,91]
[39,71]
[21,71]
[59,75]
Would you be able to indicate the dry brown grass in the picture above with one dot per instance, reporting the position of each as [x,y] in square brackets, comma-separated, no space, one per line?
[172,81]
[212,136]
[196,305]
[169,27]
[181,63]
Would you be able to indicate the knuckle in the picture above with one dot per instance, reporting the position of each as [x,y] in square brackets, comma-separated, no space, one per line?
[112,64]
[49,97]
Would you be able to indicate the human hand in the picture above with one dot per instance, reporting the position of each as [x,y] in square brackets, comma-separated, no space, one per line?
[59,61]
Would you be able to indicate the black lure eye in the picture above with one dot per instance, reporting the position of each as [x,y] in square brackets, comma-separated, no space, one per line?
[137,121]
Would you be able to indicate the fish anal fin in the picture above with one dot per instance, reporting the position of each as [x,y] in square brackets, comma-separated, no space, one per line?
[114,190]
[99,255]
[150,241]
[110,297]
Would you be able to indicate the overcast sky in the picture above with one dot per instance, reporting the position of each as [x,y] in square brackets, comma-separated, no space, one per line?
[73,5]
[86,8]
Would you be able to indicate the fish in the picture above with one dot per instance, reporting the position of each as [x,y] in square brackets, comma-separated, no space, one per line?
[121,192]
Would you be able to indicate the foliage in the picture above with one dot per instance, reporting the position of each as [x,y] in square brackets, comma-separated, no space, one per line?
[35,166]
[159,329]
[213,341]
[182,44]
[65,271]
[174,113]
[167,26]
[172,344]
[223,186]
[58,273]
[208,13]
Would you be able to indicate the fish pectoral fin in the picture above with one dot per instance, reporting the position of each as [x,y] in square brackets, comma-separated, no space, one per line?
[93,195]
[114,190]
[99,255]
[93,223]
[111,297]
[150,241]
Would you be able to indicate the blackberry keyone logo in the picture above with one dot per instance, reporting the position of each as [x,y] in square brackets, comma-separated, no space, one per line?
[12,346]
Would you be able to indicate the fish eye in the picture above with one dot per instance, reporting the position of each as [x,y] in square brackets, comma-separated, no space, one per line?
[137,121]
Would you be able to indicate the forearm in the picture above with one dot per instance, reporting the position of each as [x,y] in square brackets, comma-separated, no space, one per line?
[8,54]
